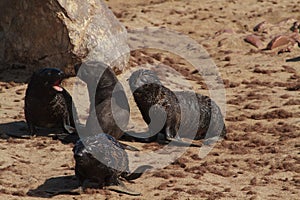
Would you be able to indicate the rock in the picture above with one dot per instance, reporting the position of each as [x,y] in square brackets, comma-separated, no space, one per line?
[60,33]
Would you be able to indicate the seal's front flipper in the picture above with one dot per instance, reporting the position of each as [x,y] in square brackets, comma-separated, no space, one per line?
[76,191]
[122,189]
[144,137]
[32,129]
[137,173]
[128,147]
[69,129]
[69,138]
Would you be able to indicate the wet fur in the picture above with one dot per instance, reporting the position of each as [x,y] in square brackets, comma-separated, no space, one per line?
[109,151]
[110,101]
[148,91]
[46,107]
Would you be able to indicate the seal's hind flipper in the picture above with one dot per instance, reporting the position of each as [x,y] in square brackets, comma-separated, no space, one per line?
[180,142]
[68,138]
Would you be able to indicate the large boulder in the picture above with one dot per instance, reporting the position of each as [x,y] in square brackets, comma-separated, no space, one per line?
[60,33]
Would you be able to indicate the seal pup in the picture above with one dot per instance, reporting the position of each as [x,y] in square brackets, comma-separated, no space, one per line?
[47,104]
[101,161]
[109,108]
[192,113]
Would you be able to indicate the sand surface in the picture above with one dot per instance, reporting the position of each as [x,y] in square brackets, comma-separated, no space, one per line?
[259,159]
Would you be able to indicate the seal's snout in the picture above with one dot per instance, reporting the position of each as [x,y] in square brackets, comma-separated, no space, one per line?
[51,77]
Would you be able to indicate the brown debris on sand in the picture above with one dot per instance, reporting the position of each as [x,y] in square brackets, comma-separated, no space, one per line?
[295,87]
[259,27]
[280,40]
[296,27]
[254,40]
[284,41]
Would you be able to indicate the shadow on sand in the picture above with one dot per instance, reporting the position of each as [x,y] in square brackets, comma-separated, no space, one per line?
[19,129]
[16,129]
[297,59]
[56,186]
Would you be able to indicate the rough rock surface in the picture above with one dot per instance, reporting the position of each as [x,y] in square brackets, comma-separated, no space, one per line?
[60,33]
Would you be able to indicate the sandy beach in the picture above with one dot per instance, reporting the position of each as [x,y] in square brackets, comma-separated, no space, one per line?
[260,157]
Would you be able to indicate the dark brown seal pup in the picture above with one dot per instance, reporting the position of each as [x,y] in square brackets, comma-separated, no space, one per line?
[47,104]
[109,108]
[187,114]
[100,159]
[108,102]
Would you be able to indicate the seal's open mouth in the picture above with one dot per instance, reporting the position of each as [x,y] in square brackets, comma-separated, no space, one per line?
[56,86]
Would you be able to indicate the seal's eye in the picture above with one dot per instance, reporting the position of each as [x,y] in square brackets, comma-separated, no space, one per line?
[46,72]
[51,72]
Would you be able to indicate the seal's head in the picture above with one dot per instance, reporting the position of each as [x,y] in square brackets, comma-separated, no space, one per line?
[48,78]
[142,77]
[96,73]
